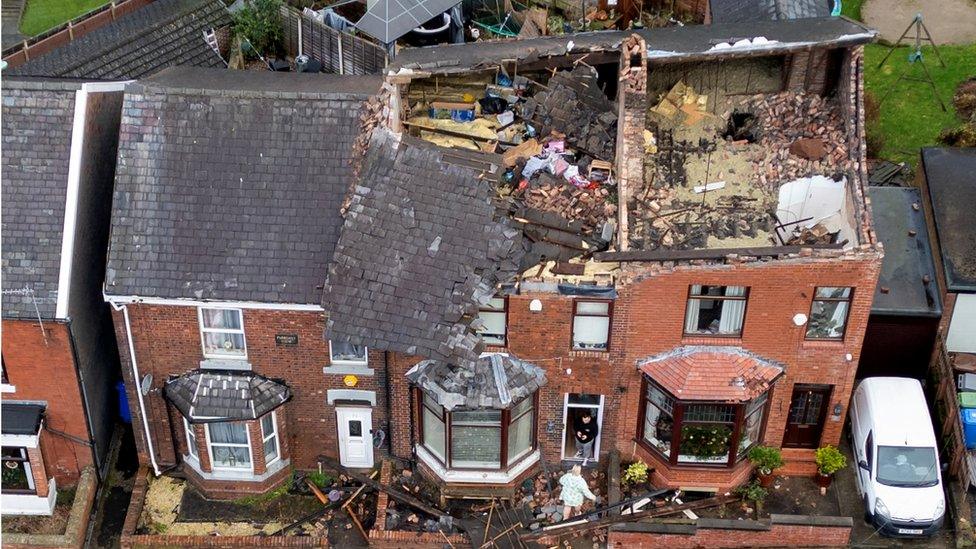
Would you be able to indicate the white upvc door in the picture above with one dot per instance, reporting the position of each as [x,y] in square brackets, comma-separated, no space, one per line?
[355,427]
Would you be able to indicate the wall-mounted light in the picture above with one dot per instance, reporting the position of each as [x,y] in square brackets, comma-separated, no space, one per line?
[569,371]
[838,409]
[848,357]
[799,319]
[535,305]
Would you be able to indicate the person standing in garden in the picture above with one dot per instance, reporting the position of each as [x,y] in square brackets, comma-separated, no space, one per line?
[574,489]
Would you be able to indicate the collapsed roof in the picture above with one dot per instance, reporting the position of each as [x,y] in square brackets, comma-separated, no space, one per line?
[229,183]
[493,381]
[421,249]
[162,34]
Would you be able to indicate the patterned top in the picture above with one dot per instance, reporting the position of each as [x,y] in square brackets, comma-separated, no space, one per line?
[574,490]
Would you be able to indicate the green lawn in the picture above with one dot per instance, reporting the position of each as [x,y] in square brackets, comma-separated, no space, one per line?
[911,117]
[851,8]
[41,15]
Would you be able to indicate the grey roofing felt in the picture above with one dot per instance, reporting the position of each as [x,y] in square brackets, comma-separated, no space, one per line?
[21,418]
[421,248]
[950,174]
[739,11]
[206,396]
[229,183]
[901,290]
[493,381]
[37,120]
[387,20]
[664,44]
[162,34]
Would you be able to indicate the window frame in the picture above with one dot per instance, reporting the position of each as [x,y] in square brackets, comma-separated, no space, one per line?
[343,362]
[745,310]
[847,314]
[24,460]
[191,439]
[679,406]
[250,452]
[504,311]
[572,323]
[266,437]
[204,330]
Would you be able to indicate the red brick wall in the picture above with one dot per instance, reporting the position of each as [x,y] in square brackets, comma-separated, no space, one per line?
[779,535]
[167,342]
[45,371]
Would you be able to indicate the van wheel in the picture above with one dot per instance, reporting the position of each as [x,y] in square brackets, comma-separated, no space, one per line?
[868,517]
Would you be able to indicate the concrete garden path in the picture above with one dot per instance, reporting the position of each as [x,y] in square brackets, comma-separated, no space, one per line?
[949,21]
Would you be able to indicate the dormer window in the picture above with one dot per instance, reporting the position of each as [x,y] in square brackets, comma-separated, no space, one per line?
[222,333]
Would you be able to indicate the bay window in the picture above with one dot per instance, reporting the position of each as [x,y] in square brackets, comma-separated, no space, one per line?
[828,313]
[269,438]
[591,324]
[476,439]
[715,310]
[699,433]
[222,333]
[229,445]
[494,318]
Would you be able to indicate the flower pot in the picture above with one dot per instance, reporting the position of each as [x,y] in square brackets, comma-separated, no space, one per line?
[823,480]
[766,478]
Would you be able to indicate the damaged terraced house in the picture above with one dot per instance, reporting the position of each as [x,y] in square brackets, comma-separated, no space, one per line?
[664,230]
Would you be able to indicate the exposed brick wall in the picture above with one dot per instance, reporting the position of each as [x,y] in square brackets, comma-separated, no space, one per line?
[778,535]
[167,342]
[45,371]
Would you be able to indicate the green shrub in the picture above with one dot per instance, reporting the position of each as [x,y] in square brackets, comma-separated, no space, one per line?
[752,492]
[260,23]
[705,441]
[322,480]
[830,460]
[636,473]
[766,458]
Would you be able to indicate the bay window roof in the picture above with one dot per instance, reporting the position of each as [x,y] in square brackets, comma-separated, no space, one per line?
[207,396]
[493,381]
[715,373]
[21,418]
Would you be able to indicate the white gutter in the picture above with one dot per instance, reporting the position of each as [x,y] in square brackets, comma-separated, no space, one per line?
[116,300]
[138,387]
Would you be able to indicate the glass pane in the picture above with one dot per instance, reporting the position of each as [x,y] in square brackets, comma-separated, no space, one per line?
[658,427]
[589,400]
[343,350]
[270,449]
[660,399]
[218,343]
[477,417]
[228,433]
[231,456]
[833,293]
[433,432]
[15,475]
[593,307]
[714,316]
[222,318]
[522,406]
[710,412]
[355,428]
[705,443]
[191,439]
[520,437]
[751,430]
[591,332]
[907,466]
[475,446]
[267,426]
[827,319]
[496,303]
[16,452]
[494,330]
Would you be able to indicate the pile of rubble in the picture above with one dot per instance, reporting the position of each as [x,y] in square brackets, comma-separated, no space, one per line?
[799,135]
[541,495]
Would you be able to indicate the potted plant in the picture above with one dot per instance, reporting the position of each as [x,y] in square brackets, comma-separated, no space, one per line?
[636,473]
[766,459]
[829,461]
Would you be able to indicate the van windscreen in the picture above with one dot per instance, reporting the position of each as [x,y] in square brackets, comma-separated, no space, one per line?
[907,466]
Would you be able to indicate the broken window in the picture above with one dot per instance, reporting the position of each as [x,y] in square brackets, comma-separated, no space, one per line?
[344,352]
[493,317]
[752,426]
[716,310]
[828,313]
[222,331]
[591,324]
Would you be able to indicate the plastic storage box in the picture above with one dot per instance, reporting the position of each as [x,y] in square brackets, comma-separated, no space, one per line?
[967,382]
[967,400]
[969,426]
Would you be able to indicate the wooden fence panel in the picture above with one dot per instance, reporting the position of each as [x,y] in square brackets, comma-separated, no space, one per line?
[330,47]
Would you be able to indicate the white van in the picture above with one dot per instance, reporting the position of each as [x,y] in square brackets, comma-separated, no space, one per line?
[897,470]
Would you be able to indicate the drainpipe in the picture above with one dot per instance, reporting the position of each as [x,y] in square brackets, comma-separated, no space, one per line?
[138,386]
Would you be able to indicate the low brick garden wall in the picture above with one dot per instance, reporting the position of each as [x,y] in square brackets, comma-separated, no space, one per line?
[379,536]
[707,533]
[74,533]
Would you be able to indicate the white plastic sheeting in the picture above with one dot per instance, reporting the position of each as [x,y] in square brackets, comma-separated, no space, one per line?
[806,202]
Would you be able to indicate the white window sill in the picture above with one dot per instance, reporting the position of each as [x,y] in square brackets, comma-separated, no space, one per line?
[235,364]
[342,368]
[7,388]
[244,475]
[29,504]
[481,477]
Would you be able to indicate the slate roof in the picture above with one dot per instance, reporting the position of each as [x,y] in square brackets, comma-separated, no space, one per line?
[37,120]
[21,418]
[740,11]
[950,175]
[700,372]
[422,246]
[901,289]
[229,183]
[664,44]
[206,396]
[387,20]
[493,381]
[162,34]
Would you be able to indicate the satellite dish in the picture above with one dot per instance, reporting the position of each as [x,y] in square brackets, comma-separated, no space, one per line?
[146,384]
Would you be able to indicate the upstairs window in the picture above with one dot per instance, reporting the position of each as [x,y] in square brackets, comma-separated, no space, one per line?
[343,352]
[591,324]
[222,332]
[494,318]
[828,313]
[716,310]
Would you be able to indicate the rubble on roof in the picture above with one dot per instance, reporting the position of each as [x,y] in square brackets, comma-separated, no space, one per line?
[493,381]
